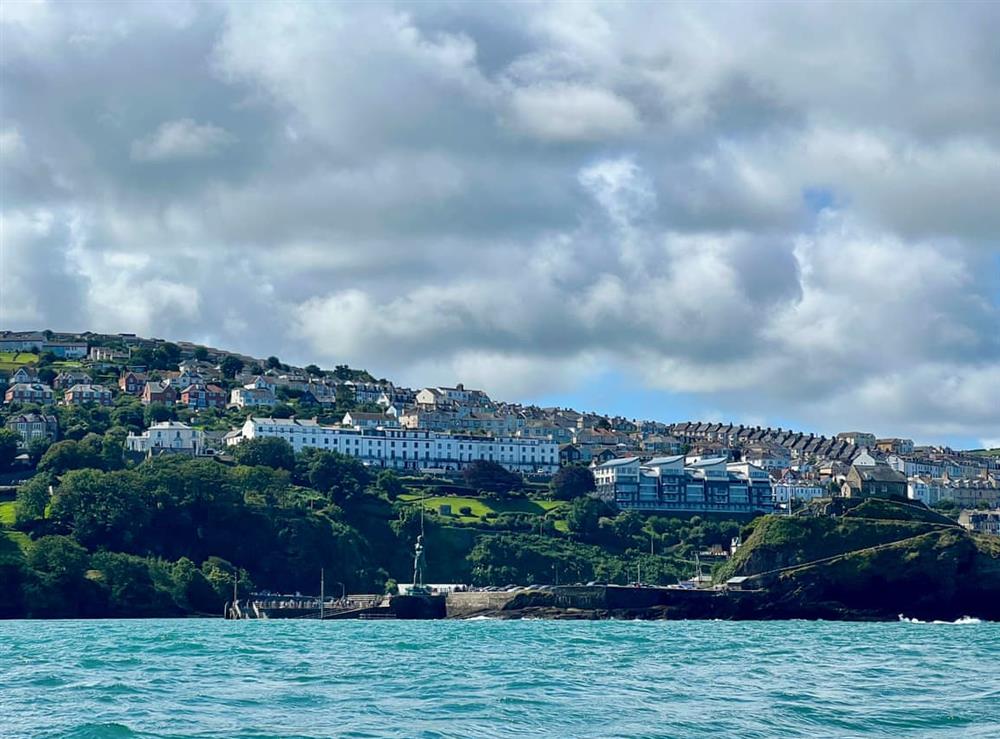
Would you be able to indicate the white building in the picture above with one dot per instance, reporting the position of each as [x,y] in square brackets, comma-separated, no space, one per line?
[407,448]
[22,341]
[693,485]
[66,349]
[171,436]
[434,397]
[913,466]
[784,490]
[361,420]
[254,394]
[771,457]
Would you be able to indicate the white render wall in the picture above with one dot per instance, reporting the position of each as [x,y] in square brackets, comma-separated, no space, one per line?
[410,448]
[167,435]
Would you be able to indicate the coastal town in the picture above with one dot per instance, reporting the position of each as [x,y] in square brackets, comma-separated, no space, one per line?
[641,465]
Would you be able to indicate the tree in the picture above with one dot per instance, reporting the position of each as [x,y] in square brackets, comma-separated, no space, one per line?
[314,370]
[266,451]
[201,354]
[389,484]
[130,587]
[8,448]
[231,366]
[37,448]
[111,510]
[112,448]
[338,475]
[59,557]
[158,412]
[46,375]
[572,482]
[626,525]
[192,590]
[32,498]
[273,362]
[128,412]
[584,515]
[491,477]
[67,455]
[282,410]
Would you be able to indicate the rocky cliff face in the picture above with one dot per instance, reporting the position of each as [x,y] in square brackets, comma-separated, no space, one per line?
[917,564]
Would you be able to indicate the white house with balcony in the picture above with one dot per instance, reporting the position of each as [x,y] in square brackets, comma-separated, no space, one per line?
[167,436]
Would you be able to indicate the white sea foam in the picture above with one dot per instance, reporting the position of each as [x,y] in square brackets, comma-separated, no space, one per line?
[965,620]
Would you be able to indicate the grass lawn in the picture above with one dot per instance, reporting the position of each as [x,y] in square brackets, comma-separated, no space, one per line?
[17,538]
[481,506]
[7,512]
[13,360]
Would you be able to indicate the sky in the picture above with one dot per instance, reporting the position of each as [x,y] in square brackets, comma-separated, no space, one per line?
[780,213]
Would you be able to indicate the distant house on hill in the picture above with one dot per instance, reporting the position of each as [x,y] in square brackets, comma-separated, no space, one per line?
[66,349]
[166,436]
[570,454]
[158,392]
[258,393]
[33,426]
[24,373]
[21,341]
[198,396]
[132,383]
[68,378]
[29,392]
[85,393]
[875,481]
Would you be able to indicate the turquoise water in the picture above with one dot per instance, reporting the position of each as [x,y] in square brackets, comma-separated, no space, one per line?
[216,678]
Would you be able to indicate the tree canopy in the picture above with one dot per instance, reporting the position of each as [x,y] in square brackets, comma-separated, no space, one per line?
[268,451]
[572,482]
[491,477]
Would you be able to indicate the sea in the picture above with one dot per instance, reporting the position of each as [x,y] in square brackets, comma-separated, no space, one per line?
[489,678]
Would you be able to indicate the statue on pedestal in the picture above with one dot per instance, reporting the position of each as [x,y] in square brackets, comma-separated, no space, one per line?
[419,564]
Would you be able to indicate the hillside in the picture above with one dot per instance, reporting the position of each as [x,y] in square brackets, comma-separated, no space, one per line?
[879,559]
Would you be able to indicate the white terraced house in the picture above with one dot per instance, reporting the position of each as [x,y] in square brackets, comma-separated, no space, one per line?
[167,436]
[412,449]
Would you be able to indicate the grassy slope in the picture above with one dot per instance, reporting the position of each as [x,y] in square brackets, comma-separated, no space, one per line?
[894,510]
[10,361]
[782,541]
[482,506]
[7,509]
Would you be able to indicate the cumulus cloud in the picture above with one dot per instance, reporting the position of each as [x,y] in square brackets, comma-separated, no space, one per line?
[771,211]
[571,113]
[181,139]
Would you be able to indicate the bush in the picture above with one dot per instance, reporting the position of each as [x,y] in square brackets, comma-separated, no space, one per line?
[465,510]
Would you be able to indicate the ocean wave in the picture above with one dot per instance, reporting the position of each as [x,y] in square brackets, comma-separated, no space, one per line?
[963,621]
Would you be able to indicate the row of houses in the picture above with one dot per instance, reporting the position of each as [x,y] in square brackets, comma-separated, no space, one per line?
[406,449]
[41,394]
[965,492]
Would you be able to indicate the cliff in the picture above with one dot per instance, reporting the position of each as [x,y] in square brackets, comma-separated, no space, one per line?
[876,559]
